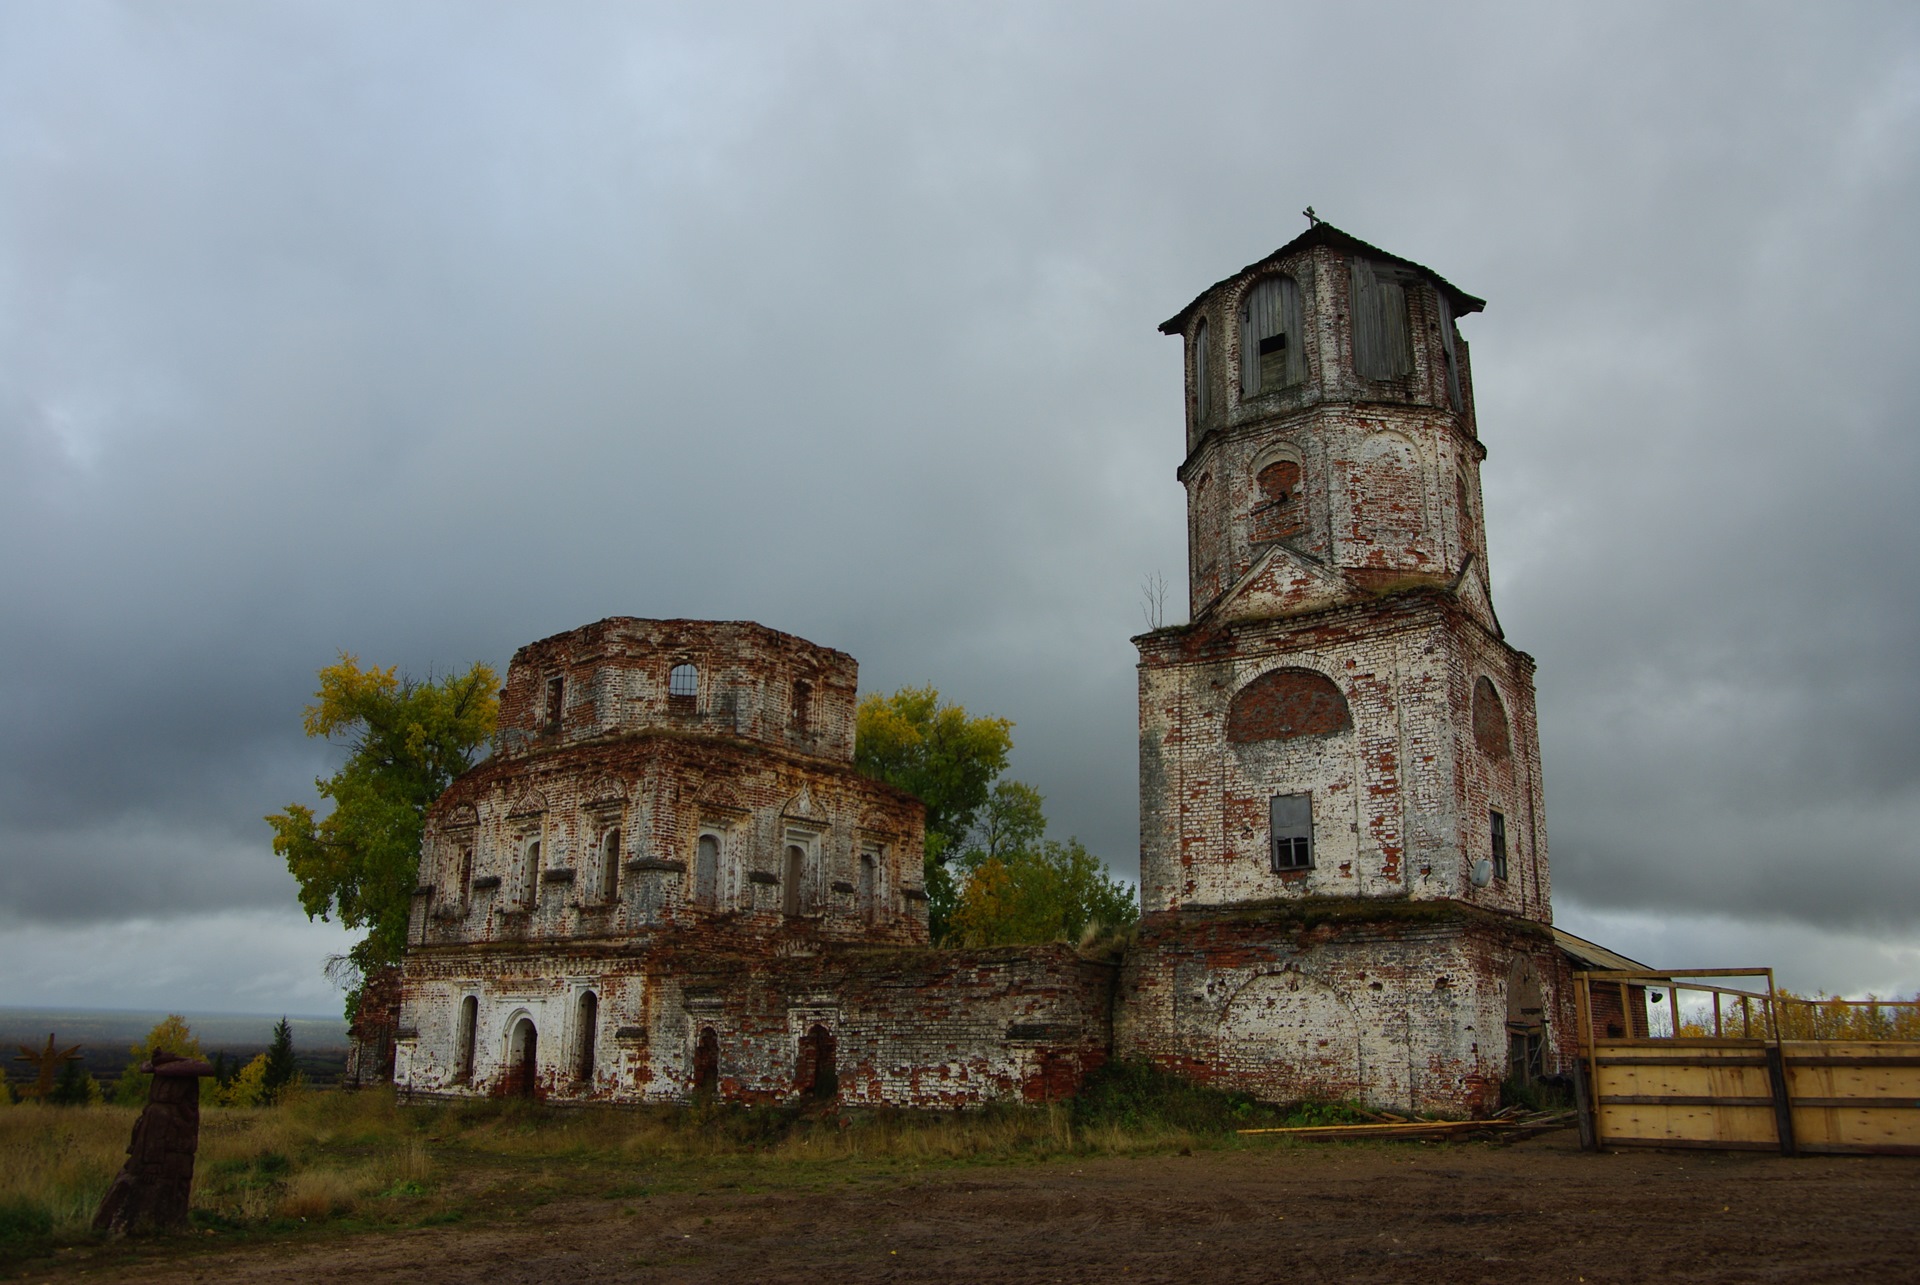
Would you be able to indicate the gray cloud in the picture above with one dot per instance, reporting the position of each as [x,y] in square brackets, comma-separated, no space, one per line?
[427,332]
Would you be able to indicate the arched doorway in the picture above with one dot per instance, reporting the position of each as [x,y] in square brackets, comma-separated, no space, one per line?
[523,1059]
[469,1023]
[817,1077]
[706,1063]
[586,1026]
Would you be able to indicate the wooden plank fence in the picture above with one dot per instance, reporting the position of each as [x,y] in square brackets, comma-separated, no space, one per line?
[1693,1060]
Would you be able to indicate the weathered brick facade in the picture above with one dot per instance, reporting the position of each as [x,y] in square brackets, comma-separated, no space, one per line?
[670,845]
[669,880]
[1342,727]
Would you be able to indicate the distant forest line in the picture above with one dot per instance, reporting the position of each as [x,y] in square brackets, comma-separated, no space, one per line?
[106,1036]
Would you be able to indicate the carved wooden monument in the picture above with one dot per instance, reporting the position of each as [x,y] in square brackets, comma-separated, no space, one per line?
[152,1189]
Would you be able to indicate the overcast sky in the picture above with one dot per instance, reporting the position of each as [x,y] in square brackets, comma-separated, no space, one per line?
[426,330]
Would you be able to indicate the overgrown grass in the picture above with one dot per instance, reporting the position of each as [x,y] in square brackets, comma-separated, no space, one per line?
[360,1159]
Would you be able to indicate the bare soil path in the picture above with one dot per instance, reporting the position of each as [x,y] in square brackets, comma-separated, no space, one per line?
[1537,1210]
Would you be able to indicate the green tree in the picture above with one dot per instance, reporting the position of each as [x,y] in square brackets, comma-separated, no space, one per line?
[406,741]
[281,1071]
[170,1033]
[947,759]
[75,1086]
[1019,886]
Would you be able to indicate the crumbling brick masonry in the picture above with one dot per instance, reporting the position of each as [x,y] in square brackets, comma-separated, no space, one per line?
[669,880]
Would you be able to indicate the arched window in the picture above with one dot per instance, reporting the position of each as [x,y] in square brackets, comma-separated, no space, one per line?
[1490,731]
[817,1075]
[464,1040]
[1282,704]
[683,683]
[869,886]
[610,865]
[706,870]
[794,880]
[1272,353]
[706,1061]
[1202,392]
[586,1028]
[530,873]
[1382,334]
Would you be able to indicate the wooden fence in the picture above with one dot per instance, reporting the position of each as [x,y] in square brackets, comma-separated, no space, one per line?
[1695,1060]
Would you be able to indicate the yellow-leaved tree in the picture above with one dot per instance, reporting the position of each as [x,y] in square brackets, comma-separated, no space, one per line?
[170,1033]
[407,739]
[936,751]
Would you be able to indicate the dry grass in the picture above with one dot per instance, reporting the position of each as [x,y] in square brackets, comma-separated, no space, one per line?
[359,1159]
[59,1163]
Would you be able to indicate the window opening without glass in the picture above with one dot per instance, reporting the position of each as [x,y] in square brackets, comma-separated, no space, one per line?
[610,865]
[469,1022]
[706,870]
[587,1021]
[794,880]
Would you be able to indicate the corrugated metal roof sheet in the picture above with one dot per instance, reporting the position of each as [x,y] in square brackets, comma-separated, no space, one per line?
[1594,956]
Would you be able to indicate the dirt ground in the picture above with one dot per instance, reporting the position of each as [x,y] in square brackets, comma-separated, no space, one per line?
[1537,1210]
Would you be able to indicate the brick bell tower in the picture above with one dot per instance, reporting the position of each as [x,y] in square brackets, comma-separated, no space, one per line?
[1343,862]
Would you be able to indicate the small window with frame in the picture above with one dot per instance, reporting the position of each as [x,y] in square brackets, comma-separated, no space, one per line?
[1497,827]
[1290,817]
[683,684]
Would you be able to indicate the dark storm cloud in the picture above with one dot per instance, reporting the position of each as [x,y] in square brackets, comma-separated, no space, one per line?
[423,331]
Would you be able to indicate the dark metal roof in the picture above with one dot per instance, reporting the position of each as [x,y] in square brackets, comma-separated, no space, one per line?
[1329,235]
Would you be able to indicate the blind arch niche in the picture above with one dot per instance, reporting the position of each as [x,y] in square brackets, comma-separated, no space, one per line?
[1283,704]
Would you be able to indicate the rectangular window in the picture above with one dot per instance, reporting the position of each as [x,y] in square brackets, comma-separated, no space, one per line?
[556,701]
[1291,816]
[1498,825]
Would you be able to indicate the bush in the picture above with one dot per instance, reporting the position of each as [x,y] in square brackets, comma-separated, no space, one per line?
[23,1219]
[1132,1095]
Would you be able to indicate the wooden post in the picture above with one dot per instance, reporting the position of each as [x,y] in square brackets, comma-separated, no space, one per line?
[1583,1108]
[1782,1104]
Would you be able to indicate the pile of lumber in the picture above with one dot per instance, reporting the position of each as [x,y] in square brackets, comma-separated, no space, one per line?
[1511,1123]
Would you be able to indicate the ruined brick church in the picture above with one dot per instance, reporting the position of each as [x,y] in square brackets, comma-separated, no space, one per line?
[668,879]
